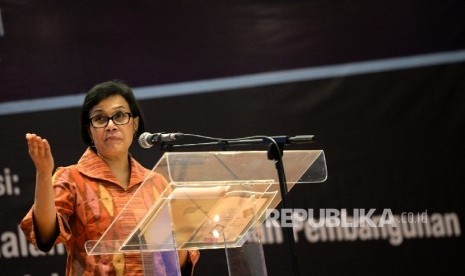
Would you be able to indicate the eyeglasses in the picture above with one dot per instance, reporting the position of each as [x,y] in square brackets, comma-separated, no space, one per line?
[119,118]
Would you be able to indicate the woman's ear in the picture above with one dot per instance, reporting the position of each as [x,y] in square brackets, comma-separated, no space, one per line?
[90,135]
[136,124]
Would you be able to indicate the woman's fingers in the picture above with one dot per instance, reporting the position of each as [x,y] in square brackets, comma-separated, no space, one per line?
[39,150]
[35,144]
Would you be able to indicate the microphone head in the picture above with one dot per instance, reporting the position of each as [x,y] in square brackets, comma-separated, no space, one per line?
[143,140]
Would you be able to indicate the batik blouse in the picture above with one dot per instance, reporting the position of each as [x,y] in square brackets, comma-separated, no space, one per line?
[87,198]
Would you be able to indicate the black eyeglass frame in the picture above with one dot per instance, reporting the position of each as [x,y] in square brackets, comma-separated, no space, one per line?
[130,115]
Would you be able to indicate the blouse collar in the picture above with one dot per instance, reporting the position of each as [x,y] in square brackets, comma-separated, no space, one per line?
[91,165]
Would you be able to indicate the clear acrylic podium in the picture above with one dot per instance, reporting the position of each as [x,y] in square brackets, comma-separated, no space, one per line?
[205,200]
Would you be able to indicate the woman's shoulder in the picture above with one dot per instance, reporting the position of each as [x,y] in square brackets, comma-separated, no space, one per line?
[63,169]
[67,173]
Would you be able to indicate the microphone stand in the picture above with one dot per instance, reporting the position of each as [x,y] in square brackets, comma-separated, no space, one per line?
[224,144]
[275,153]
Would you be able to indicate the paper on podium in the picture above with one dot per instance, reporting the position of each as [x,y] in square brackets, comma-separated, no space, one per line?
[205,221]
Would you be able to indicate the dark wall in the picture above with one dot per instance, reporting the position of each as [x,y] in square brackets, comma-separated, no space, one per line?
[393,138]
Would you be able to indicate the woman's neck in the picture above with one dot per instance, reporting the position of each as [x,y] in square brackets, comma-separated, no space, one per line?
[120,168]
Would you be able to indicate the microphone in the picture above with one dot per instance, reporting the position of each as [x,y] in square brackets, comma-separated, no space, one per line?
[147,139]
[301,139]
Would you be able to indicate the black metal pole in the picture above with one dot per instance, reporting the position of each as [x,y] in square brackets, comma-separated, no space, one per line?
[275,152]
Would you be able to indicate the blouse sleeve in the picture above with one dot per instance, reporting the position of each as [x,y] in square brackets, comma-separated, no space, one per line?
[64,200]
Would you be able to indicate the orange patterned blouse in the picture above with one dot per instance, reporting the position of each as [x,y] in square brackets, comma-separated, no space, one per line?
[88,198]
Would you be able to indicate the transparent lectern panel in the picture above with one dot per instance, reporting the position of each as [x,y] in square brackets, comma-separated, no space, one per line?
[118,238]
[190,197]
[300,166]
[184,168]
[248,259]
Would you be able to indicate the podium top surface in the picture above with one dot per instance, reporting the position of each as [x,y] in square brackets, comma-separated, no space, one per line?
[184,168]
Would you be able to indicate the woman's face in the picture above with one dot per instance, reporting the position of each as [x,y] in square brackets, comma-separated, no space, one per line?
[113,140]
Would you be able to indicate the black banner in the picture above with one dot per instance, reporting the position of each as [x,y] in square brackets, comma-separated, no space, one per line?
[380,86]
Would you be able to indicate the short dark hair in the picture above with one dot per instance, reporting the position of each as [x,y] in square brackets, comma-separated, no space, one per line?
[102,91]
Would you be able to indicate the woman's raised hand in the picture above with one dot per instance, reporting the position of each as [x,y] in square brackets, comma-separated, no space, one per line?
[40,153]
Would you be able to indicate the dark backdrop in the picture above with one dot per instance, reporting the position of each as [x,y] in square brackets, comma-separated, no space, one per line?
[393,137]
